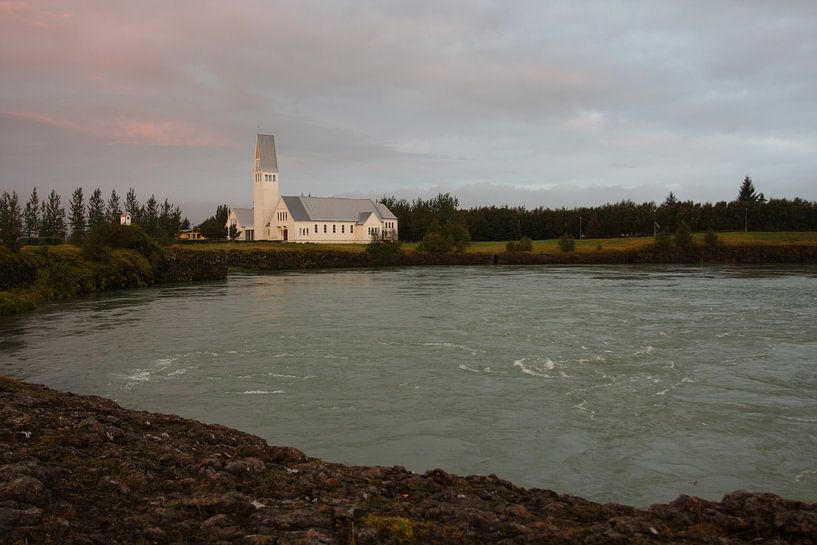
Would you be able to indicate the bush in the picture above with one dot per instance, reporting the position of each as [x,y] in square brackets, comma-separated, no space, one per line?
[380,247]
[711,239]
[663,240]
[683,236]
[566,243]
[114,235]
[524,245]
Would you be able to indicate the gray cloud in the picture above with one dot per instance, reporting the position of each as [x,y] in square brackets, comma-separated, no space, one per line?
[534,103]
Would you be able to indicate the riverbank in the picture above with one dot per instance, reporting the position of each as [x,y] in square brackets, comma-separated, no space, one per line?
[42,274]
[76,469]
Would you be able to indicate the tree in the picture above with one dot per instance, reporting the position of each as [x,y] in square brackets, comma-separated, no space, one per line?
[216,226]
[711,239]
[53,218]
[170,218]
[185,225]
[96,209]
[132,205]
[683,235]
[458,235]
[747,192]
[31,216]
[11,224]
[150,217]
[114,208]
[566,243]
[76,216]
[671,199]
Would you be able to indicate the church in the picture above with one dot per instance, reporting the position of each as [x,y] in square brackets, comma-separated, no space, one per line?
[305,219]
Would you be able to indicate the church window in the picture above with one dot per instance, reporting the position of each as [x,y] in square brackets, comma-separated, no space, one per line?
[334,228]
[273,177]
[352,228]
[316,228]
[324,227]
[342,228]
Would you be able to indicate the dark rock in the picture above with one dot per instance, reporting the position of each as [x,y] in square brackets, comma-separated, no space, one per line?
[93,472]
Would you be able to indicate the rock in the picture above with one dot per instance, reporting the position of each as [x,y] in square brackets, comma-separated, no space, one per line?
[10,518]
[245,465]
[24,489]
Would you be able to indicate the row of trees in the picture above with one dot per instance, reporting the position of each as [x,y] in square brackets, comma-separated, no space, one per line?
[749,211]
[47,219]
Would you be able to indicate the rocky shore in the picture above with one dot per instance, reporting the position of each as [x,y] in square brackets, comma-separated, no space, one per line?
[83,470]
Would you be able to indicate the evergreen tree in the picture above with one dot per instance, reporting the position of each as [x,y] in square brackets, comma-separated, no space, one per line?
[185,225]
[132,205]
[96,209]
[11,224]
[216,226]
[169,220]
[31,216]
[150,217]
[76,216]
[114,208]
[747,192]
[53,217]
[671,199]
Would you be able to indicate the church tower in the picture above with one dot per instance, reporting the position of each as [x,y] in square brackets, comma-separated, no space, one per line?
[265,185]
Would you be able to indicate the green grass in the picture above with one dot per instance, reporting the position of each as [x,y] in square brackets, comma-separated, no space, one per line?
[539,246]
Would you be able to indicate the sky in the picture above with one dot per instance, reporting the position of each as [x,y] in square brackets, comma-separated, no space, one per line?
[532,103]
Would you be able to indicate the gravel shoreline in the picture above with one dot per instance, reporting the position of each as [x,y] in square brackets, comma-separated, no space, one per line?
[82,470]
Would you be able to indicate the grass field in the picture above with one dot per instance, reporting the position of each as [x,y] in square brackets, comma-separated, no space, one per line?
[539,246]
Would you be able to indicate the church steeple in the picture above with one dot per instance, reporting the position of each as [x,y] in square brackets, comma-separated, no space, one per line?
[266,190]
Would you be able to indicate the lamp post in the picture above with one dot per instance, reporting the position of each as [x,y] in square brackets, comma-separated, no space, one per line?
[746,220]
[580,227]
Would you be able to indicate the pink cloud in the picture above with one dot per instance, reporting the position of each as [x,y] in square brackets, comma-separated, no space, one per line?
[149,132]
[24,13]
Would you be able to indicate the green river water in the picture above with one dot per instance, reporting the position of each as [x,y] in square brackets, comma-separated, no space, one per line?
[627,384]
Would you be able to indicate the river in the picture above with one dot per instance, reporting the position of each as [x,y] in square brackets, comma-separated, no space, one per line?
[627,384]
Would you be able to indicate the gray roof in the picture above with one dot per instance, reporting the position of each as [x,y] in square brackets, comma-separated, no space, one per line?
[335,209]
[244,216]
[265,150]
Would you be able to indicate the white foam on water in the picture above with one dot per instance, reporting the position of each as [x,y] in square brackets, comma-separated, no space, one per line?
[687,379]
[280,375]
[466,368]
[662,392]
[537,368]
[583,408]
[452,345]
[284,355]
[262,392]
[807,474]
[644,350]
[164,362]
[178,372]
[139,376]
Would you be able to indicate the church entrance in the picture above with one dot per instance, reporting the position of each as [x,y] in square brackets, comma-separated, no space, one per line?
[286,235]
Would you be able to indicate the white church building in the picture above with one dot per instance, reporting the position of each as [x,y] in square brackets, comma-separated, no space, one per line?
[305,219]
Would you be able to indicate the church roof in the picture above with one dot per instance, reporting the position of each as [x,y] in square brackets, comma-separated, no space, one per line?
[265,151]
[335,209]
[244,216]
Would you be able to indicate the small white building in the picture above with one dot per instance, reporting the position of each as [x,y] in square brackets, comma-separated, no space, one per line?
[305,219]
[125,218]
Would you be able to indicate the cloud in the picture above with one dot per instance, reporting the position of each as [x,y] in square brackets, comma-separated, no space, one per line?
[127,130]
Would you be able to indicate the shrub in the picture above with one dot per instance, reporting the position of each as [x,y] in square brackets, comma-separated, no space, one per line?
[524,245]
[663,240]
[711,239]
[381,247]
[566,243]
[114,235]
[683,236]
